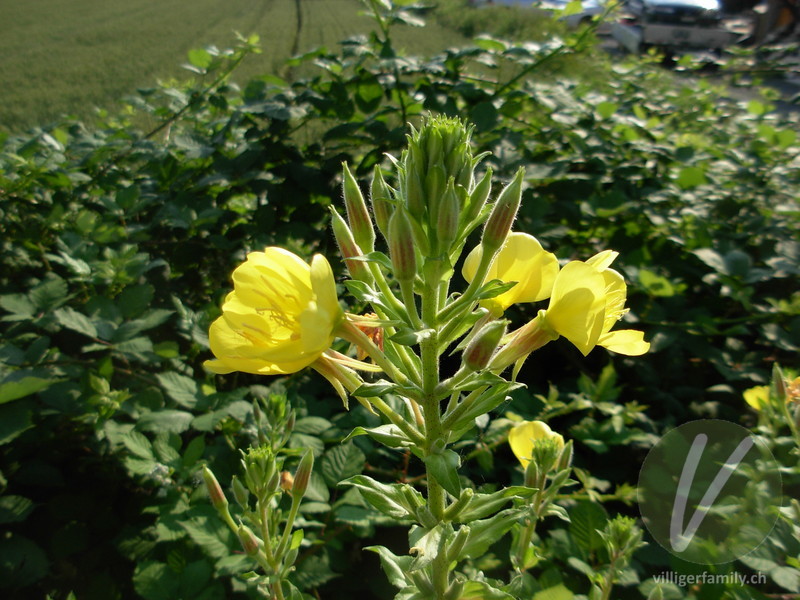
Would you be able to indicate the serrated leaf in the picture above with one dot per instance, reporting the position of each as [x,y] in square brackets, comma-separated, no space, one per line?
[155,581]
[586,518]
[480,590]
[170,421]
[558,592]
[341,462]
[71,319]
[15,419]
[184,390]
[138,444]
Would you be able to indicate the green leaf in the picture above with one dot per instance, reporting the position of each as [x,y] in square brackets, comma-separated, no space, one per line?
[444,468]
[406,336]
[19,305]
[388,435]
[604,109]
[379,388]
[155,581]
[395,567]
[690,177]
[24,562]
[486,532]
[14,509]
[426,544]
[50,293]
[138,444]
[170,421]
[23,383]
[200,58]
[585,519]
[210,533]
[558,592]
[573,7]
[341,462]
[15,419]
[184,390]
[194,451]
[482,505]
[480,590]
[71,319]
[396,500]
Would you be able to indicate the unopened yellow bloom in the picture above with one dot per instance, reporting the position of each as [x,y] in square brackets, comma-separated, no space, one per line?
[757,397]
[279,318]
[522,437]
[588,299]
[521,259]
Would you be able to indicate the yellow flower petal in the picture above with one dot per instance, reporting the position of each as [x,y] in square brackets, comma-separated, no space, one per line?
[625,341]
[280,317]
[757,397]
[577,306]
[521,259]
[522,436]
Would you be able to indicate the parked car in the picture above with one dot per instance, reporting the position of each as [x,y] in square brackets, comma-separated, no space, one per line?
[673,25]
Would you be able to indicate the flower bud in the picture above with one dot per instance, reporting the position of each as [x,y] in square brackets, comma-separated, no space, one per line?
[302,475]
[401,246]
[447,222]
[249,541]
[415,194]
[480,350]
[381,198]
[349,248]
[565,458]
[240,492]
[357,213]
[435,185]
[215,493]
[779,384]
[503,214]
[477,199]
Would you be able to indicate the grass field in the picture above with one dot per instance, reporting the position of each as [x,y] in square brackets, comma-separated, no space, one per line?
[70,56]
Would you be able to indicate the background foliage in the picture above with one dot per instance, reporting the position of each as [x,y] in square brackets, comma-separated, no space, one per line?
[117,245]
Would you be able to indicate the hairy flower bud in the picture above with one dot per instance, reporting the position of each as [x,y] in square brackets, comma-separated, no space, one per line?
[477,198]
[287,481]
[503,214]
[481,348]
[447,221]
[381,195]
[248,540]
[215,493]
[349,248]
[357,213]
[401,246]
[302,475]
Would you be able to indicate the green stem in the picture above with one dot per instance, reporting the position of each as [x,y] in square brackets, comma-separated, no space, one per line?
[414,435]
[608,584]
[407,291]
[287,530]
[451,416]
[453,310]
[435,437]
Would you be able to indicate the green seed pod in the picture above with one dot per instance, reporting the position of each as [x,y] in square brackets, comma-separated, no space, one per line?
[357,213]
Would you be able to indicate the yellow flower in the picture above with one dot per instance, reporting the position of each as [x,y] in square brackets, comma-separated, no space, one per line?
[521,259]
[279,318]
[522,437]
[588,299]
[757,397]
